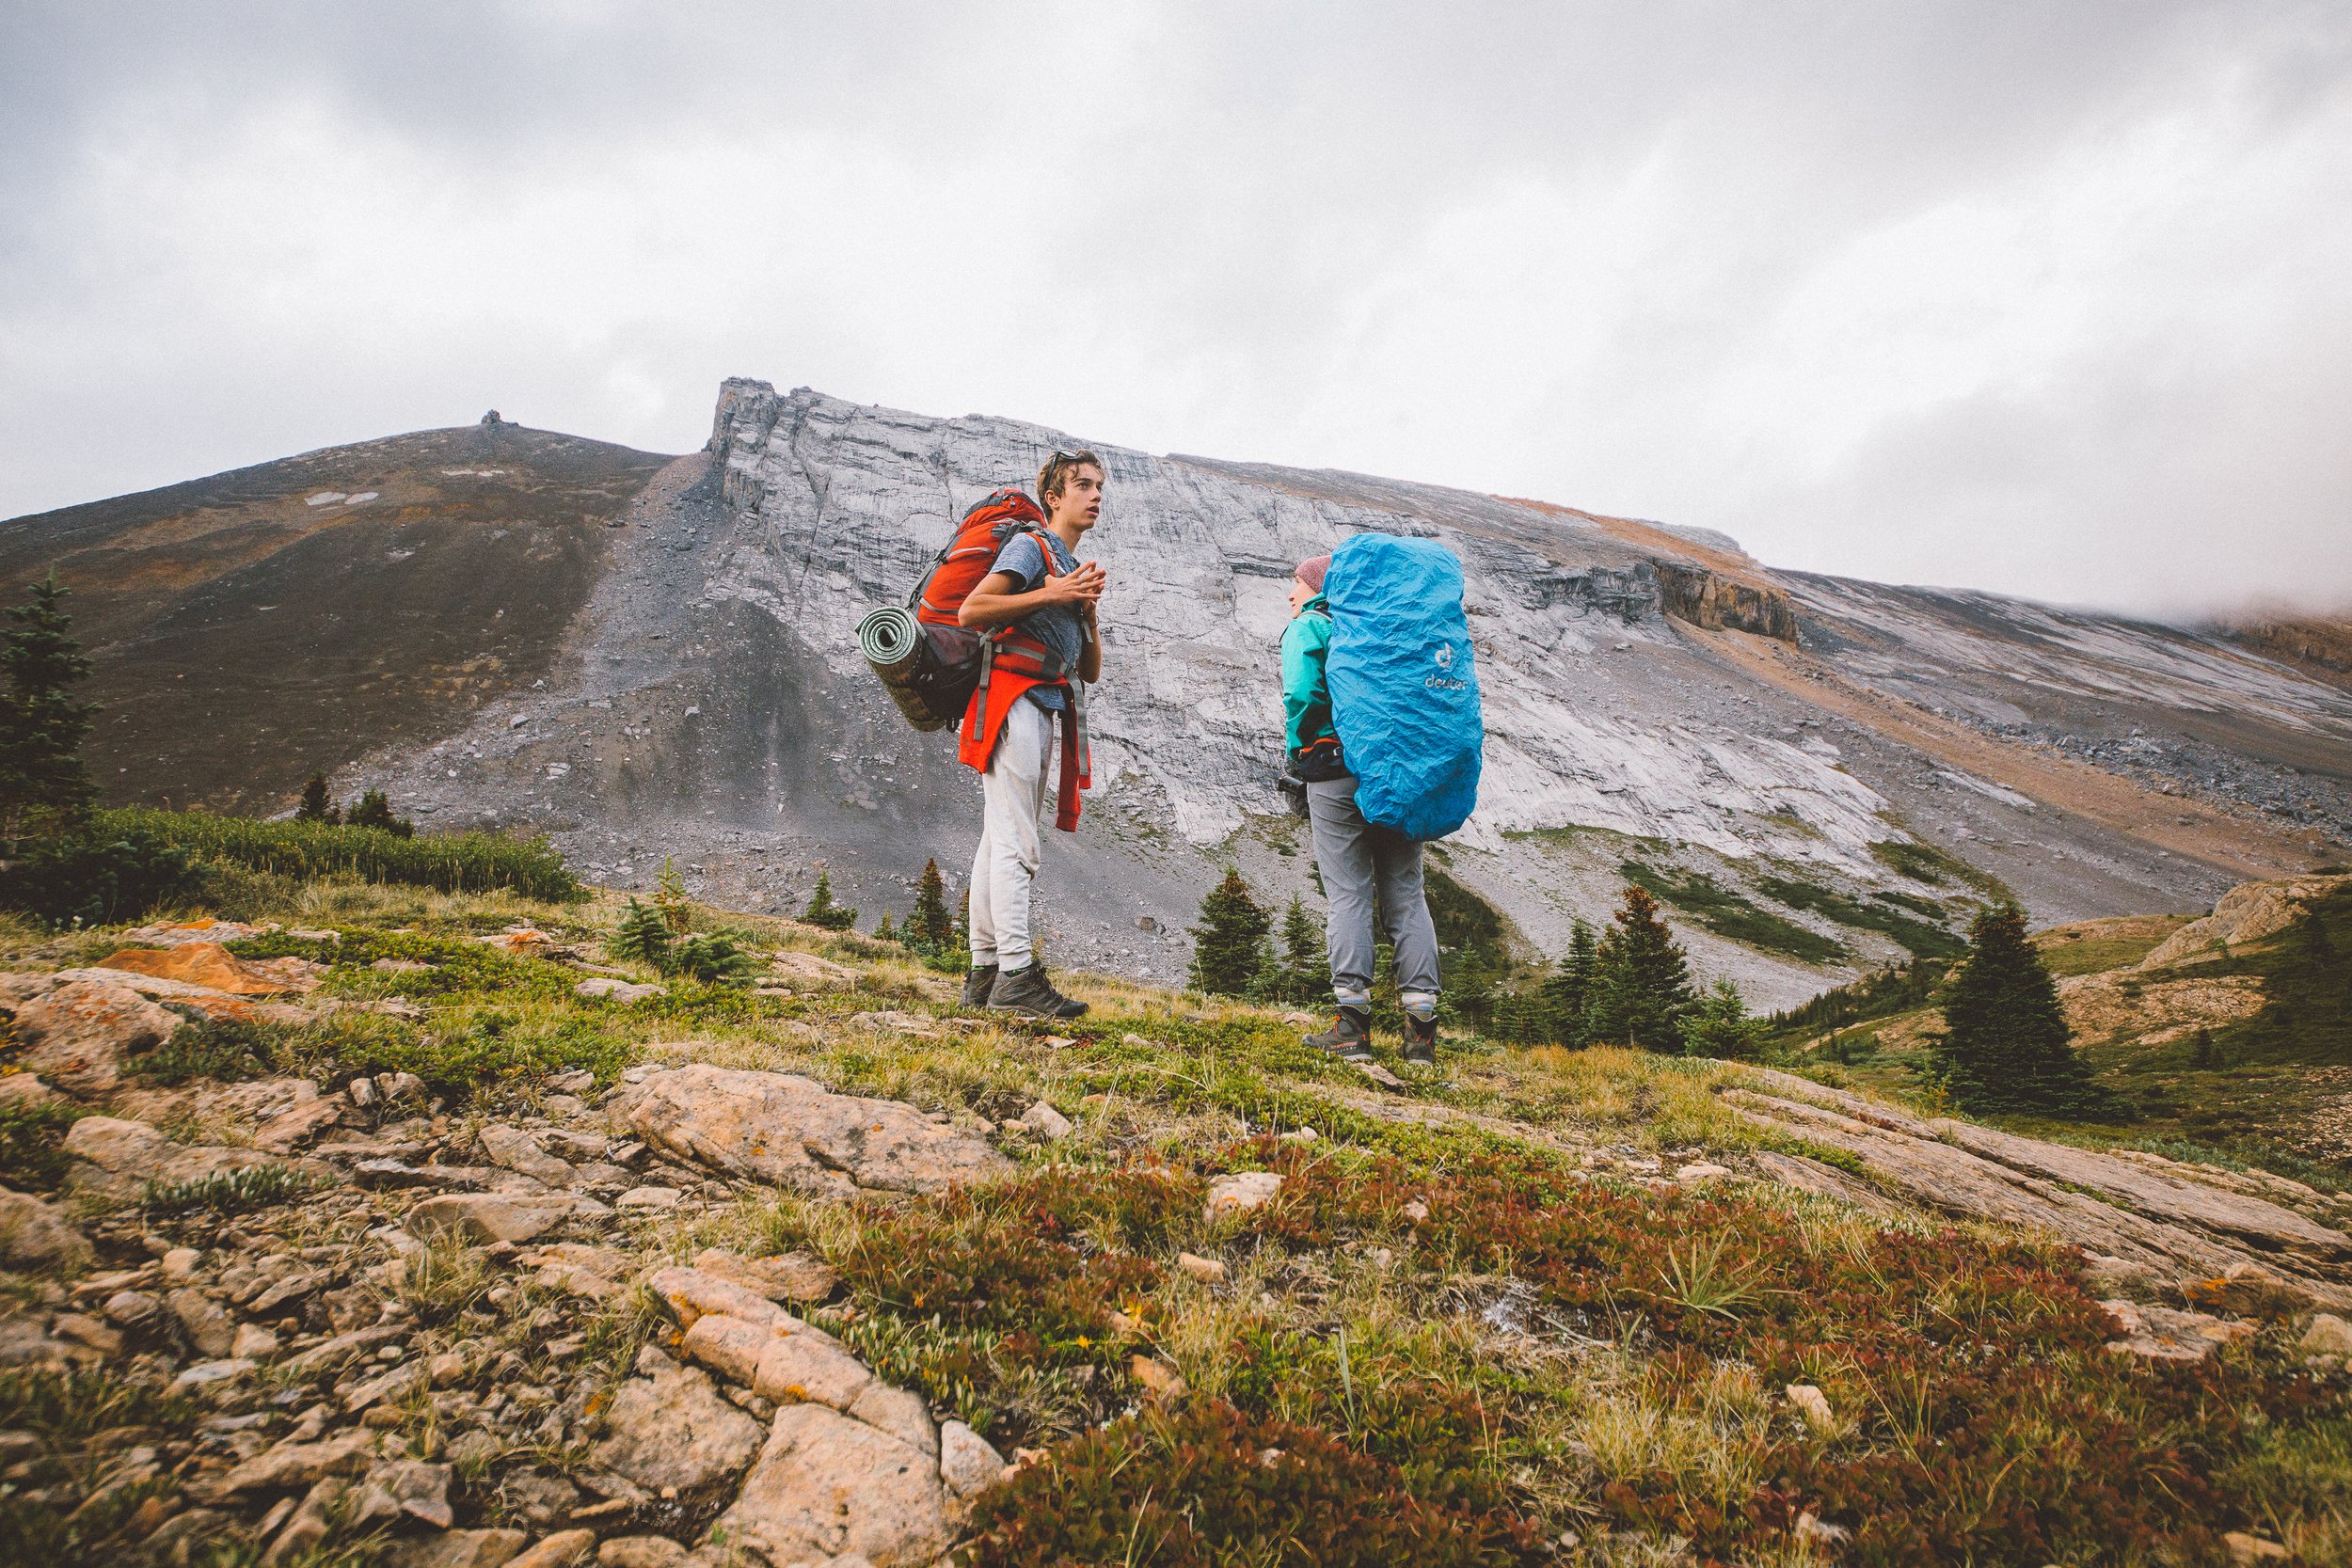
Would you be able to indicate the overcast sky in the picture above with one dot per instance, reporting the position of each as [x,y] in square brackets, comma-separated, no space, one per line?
[2051,298]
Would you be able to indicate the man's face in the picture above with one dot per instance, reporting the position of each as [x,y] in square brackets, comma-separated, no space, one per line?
[1080,502]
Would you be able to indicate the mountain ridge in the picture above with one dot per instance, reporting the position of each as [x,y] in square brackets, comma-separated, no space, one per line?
[685,685]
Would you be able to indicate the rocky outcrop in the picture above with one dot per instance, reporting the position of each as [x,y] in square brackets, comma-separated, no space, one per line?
[78,1033]
[2249,913]
[787,1130]
[2180,1230]
[1719,603]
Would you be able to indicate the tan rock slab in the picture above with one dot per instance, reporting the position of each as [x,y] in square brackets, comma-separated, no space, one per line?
[211,965]
[1208,1271]
[826,1485]
[2328,1334]
[808,970]
[484,1218]
[900,1412]
[1240,1193]
[968,1463]
[209,1326]
[674,1429]
[788,1131]
[459,1548]
[291,1465]
[518,1151]
[797,1367]
[78,1034]
[791,1276]
[640,1551]
[728,1346]
[35,1234]
[560,1550]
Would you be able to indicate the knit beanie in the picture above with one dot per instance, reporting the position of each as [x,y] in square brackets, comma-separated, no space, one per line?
[1311,572]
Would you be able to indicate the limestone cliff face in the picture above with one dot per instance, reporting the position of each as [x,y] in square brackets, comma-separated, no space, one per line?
[835,508]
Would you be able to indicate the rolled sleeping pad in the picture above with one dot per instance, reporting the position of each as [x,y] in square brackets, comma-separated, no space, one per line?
[929,671]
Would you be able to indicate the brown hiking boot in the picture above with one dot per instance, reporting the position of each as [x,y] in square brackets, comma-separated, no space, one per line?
[1027,991]
[977,984]
[1420,1040]
[1349,1038]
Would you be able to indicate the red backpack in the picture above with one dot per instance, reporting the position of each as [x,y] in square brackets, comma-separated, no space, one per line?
[929,663]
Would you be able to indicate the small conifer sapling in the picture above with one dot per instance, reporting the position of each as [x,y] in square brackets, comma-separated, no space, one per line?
[823,910]
[317,806]
[1228,943]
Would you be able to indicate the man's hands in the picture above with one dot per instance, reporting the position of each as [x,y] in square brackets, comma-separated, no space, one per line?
[994,602]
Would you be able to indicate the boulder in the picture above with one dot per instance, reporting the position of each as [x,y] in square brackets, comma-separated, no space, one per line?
[291,1465]
[826,1485]
[672,1428]
[640,1551]
[1240,1193]
[560,1550]
[1046,1122]
[518,1151]
[211,965]
[458,1548]
[35,1234]
[691,1294]
[405,1487]
[968,1463]
[808,968]
[788,1131]
[2125,1211]
[900,1412]
[2328,1334]
[485,1218]
[78,1034]
[119,1155]
[611,989]
[728,1346]
[211,1327]
[793,1276]
[803,1366]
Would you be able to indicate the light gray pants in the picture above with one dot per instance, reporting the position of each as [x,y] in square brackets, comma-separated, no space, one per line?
[1368,871]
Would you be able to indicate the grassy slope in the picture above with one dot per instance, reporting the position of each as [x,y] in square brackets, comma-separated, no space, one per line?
[1472,1327]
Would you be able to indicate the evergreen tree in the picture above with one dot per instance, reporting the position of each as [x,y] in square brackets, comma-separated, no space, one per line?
[1229,943]
[316,806]
[1641,980]
[1720,1026]
[374,810]
[713,958]
[643,937]
[2201,1054]
[1306,973]
[669,896]
[823,912]
[929,929]
[44,788]
[2005,1047]
[1519,1018]
[1567,993]
[884,930]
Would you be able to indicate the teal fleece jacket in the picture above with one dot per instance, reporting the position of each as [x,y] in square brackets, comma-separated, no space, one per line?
[1306,700]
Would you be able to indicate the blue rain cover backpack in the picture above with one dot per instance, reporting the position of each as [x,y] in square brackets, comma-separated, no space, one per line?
[1403,692]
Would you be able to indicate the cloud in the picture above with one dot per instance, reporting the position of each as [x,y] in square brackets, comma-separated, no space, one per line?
[2055,300]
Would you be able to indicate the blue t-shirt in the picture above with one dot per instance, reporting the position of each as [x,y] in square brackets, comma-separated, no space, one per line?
[1059,626]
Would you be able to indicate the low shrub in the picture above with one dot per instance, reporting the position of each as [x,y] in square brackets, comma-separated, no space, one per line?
[32,1134]
[222,1049]
[1211,1486]
[226,1192]
[452,862]
[114,871]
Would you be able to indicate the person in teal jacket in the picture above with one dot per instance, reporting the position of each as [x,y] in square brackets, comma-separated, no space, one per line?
[1370,875]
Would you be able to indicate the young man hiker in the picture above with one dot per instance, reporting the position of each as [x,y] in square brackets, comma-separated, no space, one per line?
[1366,869]
[1039,589]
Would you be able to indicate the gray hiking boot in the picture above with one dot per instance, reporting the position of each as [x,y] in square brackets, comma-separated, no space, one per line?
[1027,991]
[1349,1038]
[1420,1040]
[977,984]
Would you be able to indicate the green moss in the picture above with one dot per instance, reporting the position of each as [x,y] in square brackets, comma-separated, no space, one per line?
[1919,939]
[1924,863]
[1728,913]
